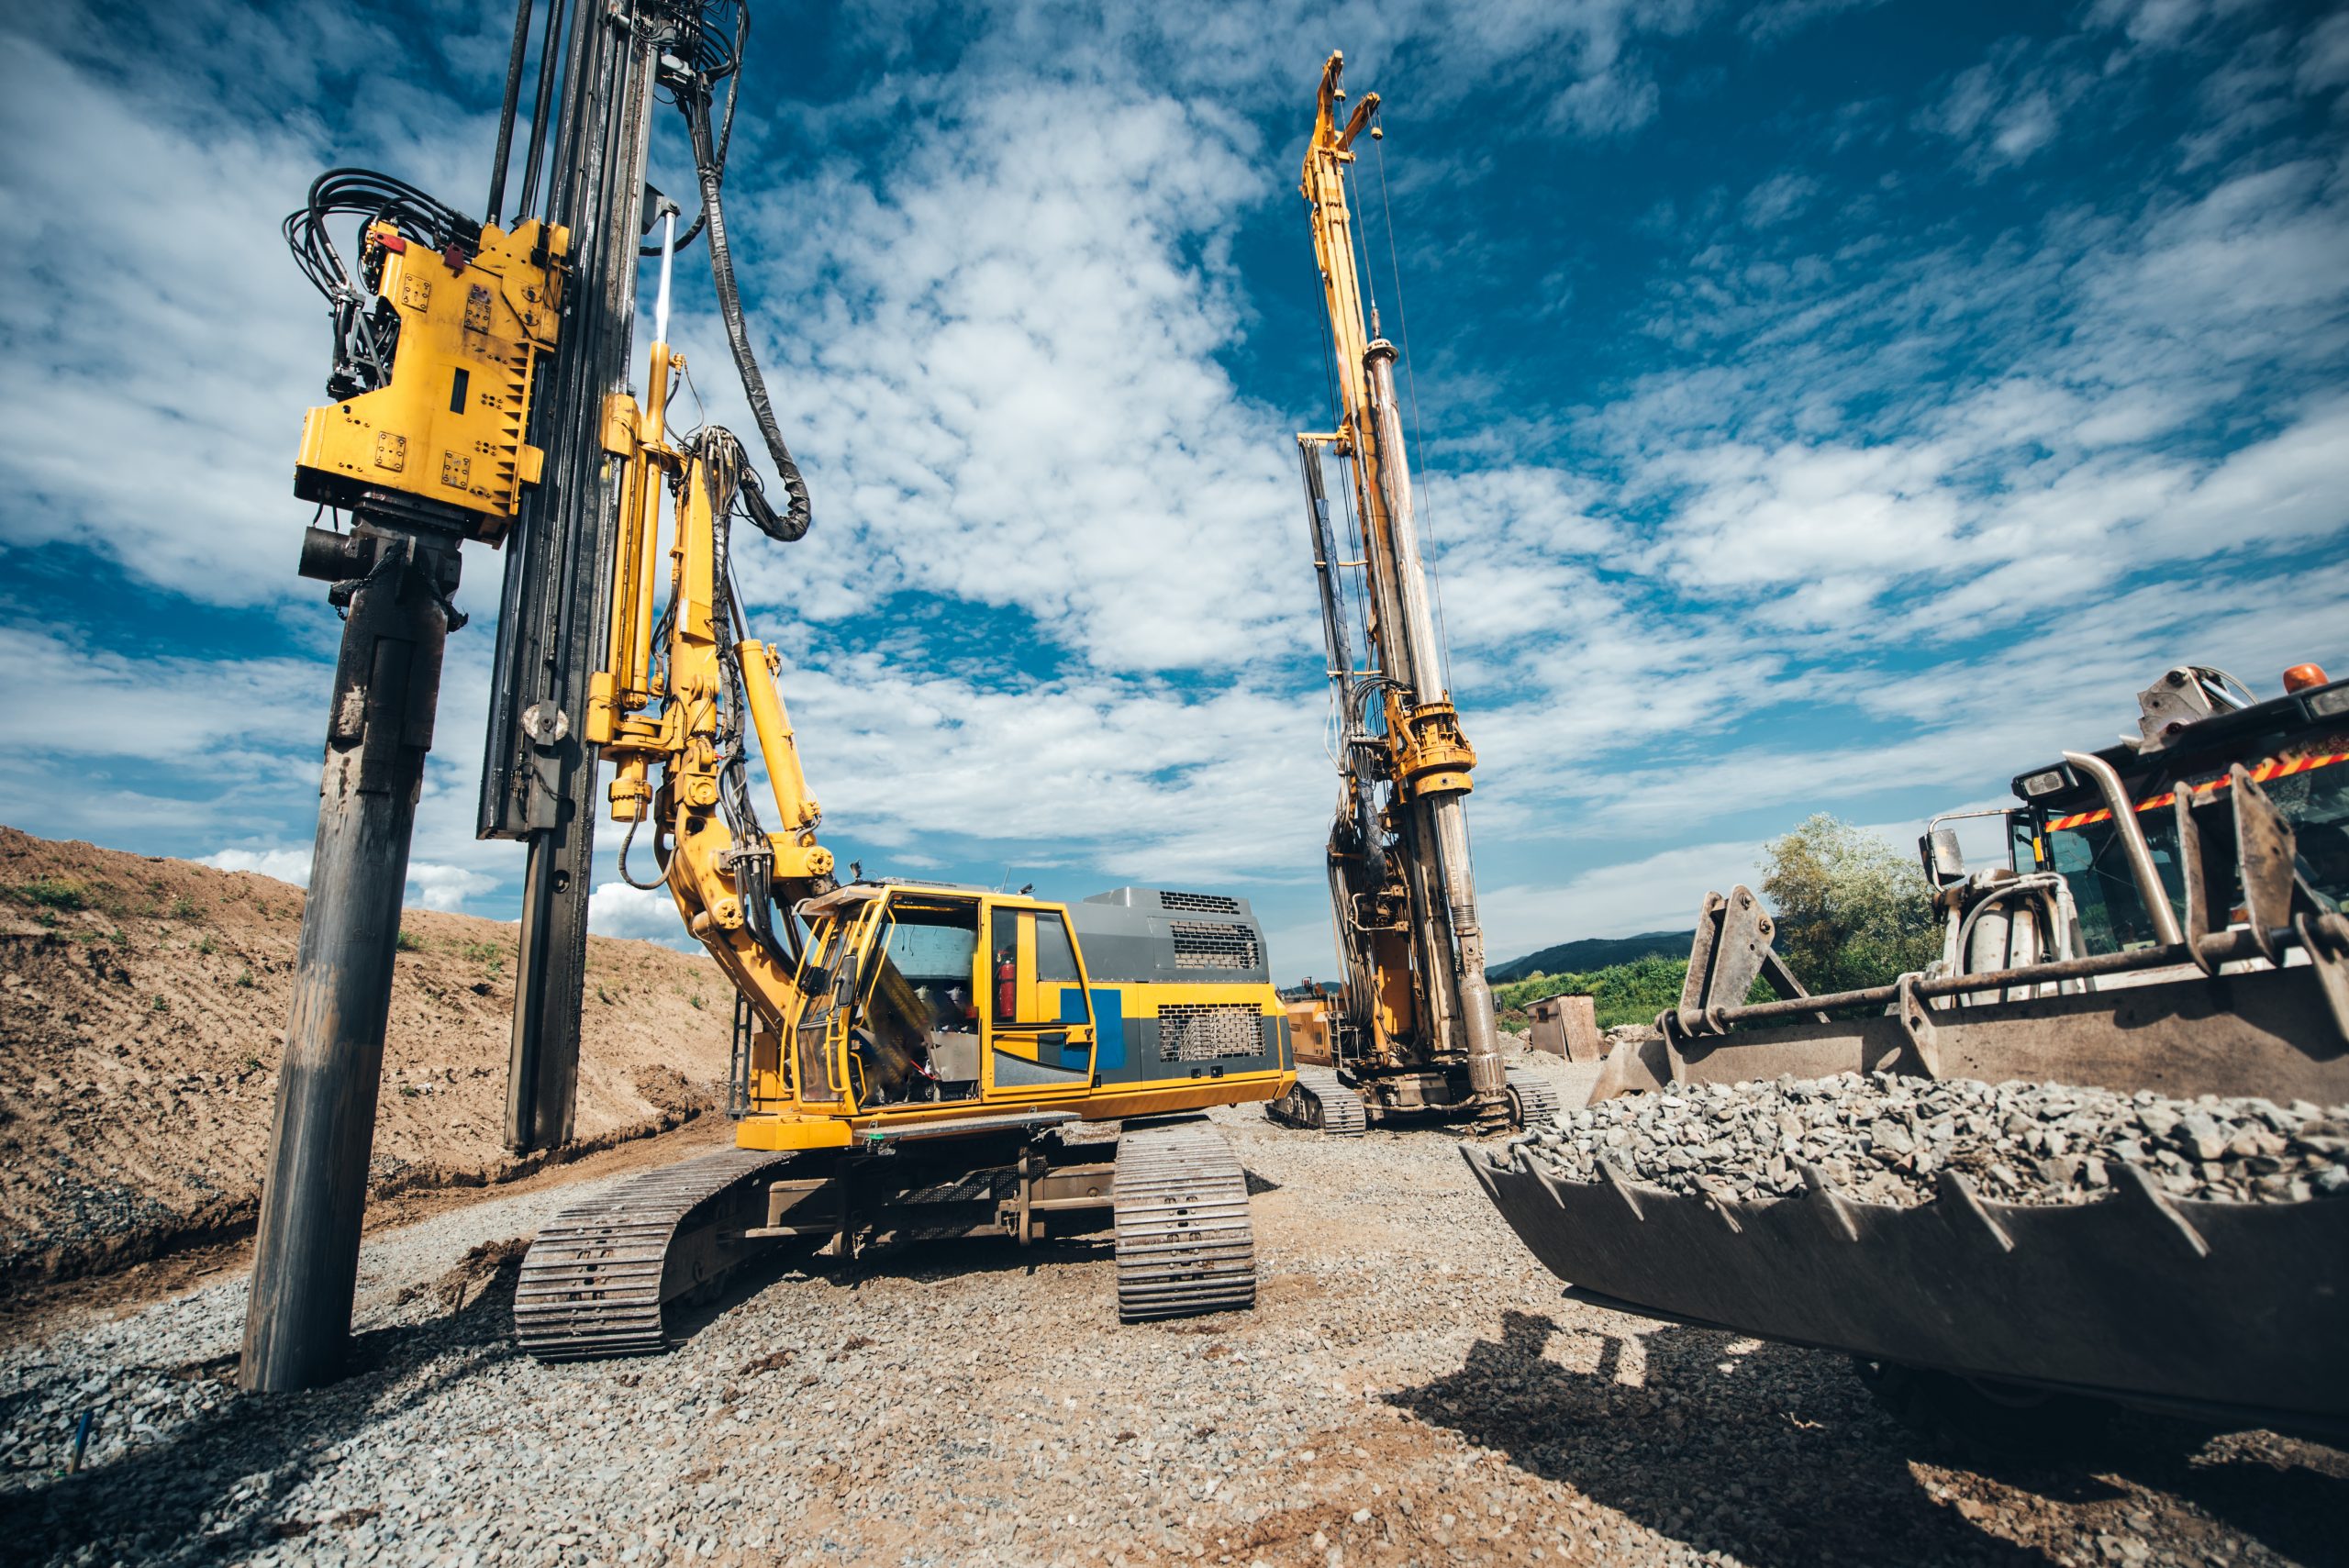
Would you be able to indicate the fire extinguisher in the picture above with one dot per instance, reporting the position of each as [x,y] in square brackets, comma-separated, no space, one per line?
[1006,988]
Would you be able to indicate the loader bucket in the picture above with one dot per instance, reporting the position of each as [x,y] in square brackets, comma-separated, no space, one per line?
[2228,1311]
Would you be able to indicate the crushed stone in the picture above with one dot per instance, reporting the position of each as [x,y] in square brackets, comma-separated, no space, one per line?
[1885,1138]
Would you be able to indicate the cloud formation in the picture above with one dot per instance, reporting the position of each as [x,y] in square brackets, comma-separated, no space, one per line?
[1859,464]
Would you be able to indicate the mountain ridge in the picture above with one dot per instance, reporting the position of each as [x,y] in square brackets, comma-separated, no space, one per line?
[1587,953]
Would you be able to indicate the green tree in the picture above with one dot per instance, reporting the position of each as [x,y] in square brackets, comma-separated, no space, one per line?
[1631,993]
[1851,910]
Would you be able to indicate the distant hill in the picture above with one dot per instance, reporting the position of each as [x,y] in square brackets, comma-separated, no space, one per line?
[1592,952]
[141,1027]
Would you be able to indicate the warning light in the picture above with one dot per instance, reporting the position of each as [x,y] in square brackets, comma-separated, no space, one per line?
[2300,678]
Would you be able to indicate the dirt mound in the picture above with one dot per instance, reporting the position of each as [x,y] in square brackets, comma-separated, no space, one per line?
[142,1013]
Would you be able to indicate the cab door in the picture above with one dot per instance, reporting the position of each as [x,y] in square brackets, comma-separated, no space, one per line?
[1038,1020]
[830,973]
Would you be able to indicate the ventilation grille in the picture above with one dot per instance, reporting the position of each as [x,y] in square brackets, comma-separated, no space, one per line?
[1209,1032]
[1201,944]
[1203,903]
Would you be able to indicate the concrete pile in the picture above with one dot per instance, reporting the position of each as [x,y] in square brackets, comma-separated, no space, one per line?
[1885,1138]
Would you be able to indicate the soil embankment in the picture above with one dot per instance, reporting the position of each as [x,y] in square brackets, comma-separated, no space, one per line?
[142,1015]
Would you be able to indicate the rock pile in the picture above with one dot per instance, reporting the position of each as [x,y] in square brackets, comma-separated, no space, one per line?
[1887,1138]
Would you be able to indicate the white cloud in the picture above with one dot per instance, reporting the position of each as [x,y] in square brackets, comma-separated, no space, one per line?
[1779,197]
[1903,506]
[1659,892]
[435,886]
[616,909]
[285,865]
[177,346]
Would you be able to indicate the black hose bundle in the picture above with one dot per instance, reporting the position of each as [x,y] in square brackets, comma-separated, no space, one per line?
[727,471]
[710,145]
[374,196]
[366,329]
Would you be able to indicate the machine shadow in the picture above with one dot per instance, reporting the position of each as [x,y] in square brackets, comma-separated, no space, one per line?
[2291,1501]
[175,1499]
[1820,1473]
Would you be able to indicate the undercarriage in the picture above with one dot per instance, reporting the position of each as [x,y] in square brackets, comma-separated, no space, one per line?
[602,1279]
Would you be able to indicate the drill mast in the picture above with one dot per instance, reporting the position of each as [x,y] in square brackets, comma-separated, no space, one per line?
[1402,891]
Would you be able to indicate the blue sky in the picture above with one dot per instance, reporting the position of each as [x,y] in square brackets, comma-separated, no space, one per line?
[1824,405]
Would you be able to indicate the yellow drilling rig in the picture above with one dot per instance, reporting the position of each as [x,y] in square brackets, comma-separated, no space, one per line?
[1411,1034]
[909,1059]
[922,1058]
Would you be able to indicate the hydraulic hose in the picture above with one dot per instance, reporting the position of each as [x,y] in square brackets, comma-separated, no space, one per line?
[793,523]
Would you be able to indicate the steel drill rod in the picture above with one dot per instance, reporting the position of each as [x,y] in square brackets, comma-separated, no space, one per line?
[306,1254]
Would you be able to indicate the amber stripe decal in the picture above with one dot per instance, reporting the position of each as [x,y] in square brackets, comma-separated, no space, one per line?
[2273,768]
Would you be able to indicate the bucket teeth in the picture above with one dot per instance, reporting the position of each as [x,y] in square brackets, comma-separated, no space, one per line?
[2137,1297]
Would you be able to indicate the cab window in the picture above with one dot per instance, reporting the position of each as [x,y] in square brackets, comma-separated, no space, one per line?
[1030,959]
[915,1037]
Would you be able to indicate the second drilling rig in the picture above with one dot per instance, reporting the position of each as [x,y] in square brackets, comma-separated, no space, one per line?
[1412,1034]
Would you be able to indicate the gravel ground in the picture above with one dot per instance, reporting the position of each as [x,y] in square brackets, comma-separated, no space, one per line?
[1410,1389]
[1885,1138]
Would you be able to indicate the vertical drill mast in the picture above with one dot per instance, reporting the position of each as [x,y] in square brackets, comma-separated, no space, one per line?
[476,371]
[1410,867]
[537,777]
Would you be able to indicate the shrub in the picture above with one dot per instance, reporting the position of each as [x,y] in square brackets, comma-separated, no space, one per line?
[1853,911]
[54,893]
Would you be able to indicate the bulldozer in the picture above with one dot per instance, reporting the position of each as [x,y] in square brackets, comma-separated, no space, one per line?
[912,1060]
[2167,917]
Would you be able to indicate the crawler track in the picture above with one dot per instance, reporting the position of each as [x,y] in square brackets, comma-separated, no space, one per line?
[1536,1102]
[1320,1100]
[595,1281]
[1185,1243]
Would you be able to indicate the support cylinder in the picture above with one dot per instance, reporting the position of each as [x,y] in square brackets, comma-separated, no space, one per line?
[387,683]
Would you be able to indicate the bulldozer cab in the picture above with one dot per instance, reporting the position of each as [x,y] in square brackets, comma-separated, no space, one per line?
[914,998]
[2298,759]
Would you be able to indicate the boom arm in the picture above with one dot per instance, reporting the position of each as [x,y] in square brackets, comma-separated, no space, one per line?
[686,693]
[1402,886]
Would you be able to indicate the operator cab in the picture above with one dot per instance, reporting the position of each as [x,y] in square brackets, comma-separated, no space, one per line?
[2294,747]
[922,994]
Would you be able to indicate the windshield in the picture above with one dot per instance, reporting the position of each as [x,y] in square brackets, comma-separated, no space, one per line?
[2090,857]
[916,1035]
[2087,850]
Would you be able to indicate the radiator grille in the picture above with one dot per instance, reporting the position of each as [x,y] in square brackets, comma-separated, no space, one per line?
[1209,1032]
[1202,944]
[1202,903]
